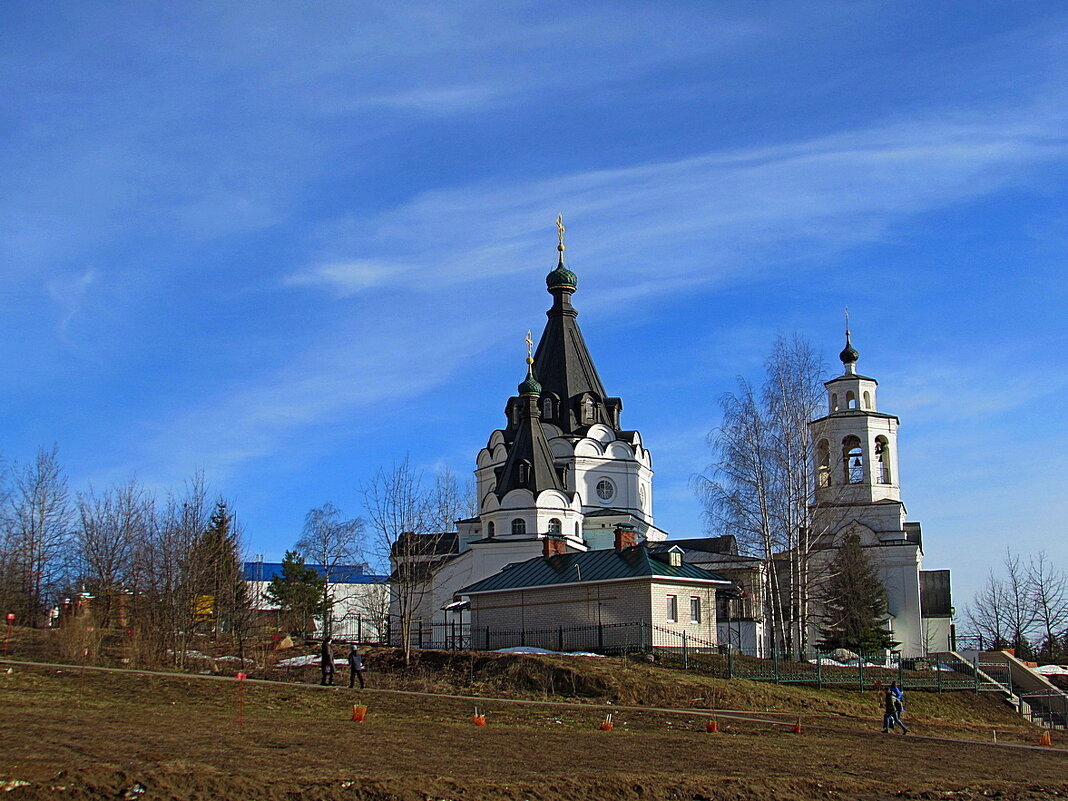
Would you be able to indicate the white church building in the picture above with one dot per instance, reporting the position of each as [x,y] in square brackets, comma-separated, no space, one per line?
[564,477]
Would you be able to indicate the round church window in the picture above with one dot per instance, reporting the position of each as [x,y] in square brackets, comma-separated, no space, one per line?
[605,489]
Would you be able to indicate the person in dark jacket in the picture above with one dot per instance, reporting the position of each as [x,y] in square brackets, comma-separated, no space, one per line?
[355,667]
[890,713]
[899,694]
[327,663]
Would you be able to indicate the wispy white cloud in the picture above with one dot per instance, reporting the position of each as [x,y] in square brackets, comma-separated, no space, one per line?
[69,293]
[670,225]
[656,228]
[353,383]
[347,278]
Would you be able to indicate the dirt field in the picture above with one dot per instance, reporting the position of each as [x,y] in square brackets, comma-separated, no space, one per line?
[73,734]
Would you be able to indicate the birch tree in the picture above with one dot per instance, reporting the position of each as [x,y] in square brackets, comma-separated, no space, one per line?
[400,514]
[760,487]
[331,542]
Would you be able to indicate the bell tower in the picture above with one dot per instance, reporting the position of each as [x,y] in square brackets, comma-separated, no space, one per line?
[858,491]
[855,444]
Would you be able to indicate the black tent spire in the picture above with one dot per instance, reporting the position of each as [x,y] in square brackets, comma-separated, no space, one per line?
[563,363]
[530,462]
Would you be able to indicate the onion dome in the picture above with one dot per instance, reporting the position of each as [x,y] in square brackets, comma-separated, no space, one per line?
[849,354]
[530,385]
[561,277]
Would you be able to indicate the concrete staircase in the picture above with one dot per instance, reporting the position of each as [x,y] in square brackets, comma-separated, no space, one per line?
[1033,695]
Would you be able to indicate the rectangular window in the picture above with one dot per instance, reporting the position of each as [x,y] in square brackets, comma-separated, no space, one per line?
[695,609]
[673,609]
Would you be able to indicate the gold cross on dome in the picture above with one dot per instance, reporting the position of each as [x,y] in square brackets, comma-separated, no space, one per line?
[560,231]
[530,345]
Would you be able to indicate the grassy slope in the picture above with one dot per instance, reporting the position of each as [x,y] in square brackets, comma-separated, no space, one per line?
[178,737]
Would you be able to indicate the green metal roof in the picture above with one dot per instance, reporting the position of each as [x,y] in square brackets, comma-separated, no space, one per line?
[591,566]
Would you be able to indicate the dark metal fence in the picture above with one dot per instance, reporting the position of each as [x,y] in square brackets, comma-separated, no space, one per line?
[936,672]
[1049,708]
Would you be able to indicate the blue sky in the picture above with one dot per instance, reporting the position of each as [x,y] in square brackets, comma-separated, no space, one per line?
[288,243]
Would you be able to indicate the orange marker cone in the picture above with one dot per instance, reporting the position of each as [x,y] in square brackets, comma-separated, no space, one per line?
[797,726]
[712,726]
[606,724]
[358,712]
[478,719]
[1045,739]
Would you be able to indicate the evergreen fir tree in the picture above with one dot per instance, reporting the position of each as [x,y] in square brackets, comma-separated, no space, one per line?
[222,594]
[298,592]
[854,603]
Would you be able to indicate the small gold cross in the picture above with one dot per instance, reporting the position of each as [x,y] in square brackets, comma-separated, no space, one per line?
[560,231]
[530,345]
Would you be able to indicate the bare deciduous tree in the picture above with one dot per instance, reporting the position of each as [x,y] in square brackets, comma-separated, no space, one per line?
[401,515]
[761,486]
[111,524]
[1049,599]
[168,579]
[37,544]
[987,614]
[1020,610]
[331,542]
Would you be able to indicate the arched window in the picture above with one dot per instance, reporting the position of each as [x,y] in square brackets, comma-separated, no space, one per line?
[834,401]
[882,460]
[524,472]
[578,531]
[519,527]
[547,408]
[853,460]
[490,529]
[823,464]
[851,400]
[513,412]
[867,399]
[554,526]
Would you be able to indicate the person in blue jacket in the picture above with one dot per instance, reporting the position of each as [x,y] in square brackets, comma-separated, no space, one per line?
[899,694]
[890,715]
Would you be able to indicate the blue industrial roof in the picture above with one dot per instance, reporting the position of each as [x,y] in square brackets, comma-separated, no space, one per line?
[339,574]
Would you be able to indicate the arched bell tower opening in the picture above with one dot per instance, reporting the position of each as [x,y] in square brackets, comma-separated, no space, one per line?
[853,460]
[883,474]
[823,464]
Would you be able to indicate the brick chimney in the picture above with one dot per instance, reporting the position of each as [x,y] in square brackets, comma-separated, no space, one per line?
[626,536]
[553,545]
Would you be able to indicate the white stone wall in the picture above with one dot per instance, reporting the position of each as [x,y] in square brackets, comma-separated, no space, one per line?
[591,603]
[350,601]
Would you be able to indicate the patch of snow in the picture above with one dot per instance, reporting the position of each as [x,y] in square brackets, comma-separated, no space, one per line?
[526,649]
[1052,670]
[300,661]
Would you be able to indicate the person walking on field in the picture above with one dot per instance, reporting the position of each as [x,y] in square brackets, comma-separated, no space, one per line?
[355,667]
[327,663]
[899,694]
[890,714]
